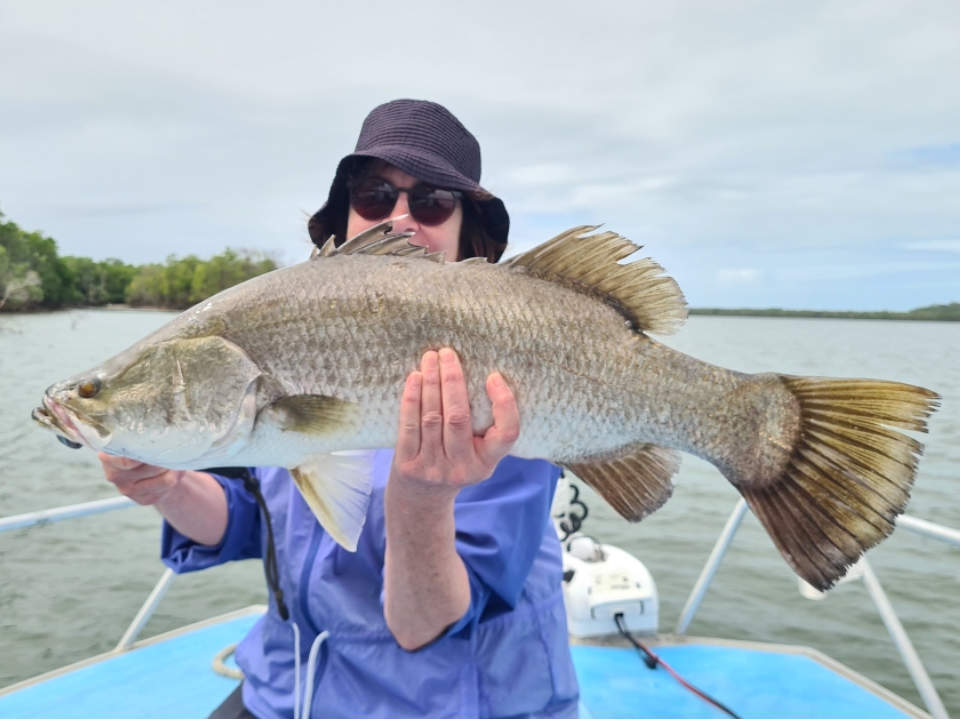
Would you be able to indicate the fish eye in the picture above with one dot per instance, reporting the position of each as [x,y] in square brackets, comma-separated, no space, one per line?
[88,388]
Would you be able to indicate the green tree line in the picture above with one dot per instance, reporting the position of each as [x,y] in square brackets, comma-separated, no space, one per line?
[33,276]
[950,311]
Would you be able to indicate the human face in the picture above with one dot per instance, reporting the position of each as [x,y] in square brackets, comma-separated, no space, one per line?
[444,237]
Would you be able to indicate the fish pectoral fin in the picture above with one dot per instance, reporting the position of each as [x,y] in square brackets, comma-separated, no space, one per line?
[312,414]
[337,488]
[635,481]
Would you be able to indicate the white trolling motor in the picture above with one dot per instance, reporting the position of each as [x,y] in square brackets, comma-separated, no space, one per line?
[602,581]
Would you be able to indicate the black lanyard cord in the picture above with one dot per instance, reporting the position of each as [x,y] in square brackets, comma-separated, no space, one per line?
[270,560]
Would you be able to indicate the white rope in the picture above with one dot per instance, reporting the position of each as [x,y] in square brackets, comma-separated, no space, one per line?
[221,668]
[311,671]
[296,670]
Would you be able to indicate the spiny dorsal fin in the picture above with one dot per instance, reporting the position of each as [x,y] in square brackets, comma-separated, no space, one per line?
[377,240]
[588,262]
[328,249]
[635,482]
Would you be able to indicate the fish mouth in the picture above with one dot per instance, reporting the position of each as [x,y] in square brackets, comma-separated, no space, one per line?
[53,416]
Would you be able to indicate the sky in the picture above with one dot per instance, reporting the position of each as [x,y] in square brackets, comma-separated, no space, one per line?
[767,154]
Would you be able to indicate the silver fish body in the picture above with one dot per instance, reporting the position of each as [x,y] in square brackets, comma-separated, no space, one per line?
[311,359]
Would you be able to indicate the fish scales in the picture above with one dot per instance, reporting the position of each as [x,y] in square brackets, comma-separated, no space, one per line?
[294,364]
[353,327]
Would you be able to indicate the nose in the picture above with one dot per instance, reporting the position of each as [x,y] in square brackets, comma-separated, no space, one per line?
[405,223]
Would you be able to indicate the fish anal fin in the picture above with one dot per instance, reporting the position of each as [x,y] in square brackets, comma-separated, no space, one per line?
[635,481]
[312,414]
[846,477]
[336,487]
[588,261]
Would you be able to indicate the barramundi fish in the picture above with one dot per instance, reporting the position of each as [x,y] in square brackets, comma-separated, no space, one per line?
[292,366]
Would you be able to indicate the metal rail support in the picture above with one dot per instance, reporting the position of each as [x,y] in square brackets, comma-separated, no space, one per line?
[910,658]
[51,515]
[146,610]
[713,562]
[929,529]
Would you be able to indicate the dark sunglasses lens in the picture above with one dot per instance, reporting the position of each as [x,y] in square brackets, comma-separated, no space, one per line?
[373,199]
[432,206]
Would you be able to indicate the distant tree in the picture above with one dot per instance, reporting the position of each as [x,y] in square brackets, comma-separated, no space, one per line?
[146,287]
[117,276]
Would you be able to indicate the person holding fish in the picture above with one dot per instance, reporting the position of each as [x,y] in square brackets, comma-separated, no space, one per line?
[427,587]
[451,603]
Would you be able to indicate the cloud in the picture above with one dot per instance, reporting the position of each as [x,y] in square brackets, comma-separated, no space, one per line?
[738,276]
[541,174]
[732,131]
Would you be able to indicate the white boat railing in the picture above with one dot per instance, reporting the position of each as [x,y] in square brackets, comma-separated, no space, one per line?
[899,636]
[96,507]
[51,515]
[901,640]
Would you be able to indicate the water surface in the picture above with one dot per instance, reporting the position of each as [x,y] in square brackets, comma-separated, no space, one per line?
[68,591]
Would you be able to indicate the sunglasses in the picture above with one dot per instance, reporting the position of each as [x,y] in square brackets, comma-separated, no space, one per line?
[374,198]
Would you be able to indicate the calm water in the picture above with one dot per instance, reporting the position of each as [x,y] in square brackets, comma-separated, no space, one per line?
[68,591]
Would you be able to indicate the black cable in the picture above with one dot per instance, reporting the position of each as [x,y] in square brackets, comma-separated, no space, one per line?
[576,520]
[651,660]
[270,561]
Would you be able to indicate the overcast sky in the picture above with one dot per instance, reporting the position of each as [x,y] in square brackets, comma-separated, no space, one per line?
[792,154]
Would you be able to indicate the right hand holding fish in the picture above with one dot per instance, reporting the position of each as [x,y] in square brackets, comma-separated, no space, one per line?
[436,450]
[142,483]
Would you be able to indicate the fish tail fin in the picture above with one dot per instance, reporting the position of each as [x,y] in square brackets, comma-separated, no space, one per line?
[843,476]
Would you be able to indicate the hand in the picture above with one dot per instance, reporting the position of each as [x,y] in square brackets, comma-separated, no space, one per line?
[436,449]
[142,483]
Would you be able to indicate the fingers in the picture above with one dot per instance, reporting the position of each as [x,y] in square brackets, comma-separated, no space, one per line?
[501,436]
[116,462]
[431,409]
[152,489]
[143,483]
[457,425]
[123,467]
[435,441]
[408,431]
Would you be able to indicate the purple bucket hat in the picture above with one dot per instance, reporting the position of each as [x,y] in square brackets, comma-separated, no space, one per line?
[425,140]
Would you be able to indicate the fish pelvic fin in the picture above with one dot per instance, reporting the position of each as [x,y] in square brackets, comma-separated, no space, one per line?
[845,475]
[336,487]
[635,481]
[588,261]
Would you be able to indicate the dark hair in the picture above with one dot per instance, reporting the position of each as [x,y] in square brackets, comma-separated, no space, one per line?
[474,239]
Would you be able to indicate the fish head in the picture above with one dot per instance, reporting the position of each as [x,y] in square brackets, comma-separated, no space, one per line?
[181,403]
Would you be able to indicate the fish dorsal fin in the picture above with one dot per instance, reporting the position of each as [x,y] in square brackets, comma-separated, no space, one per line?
[635,481]
[328,249]
[337,488]
[377,240]
[588,261]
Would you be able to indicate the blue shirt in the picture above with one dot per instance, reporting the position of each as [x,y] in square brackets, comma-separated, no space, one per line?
[508,656]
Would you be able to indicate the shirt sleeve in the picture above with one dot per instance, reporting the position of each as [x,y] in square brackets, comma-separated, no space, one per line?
[241,539]
[500,527]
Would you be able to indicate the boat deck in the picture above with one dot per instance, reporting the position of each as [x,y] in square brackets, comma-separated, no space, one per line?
[171,676]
